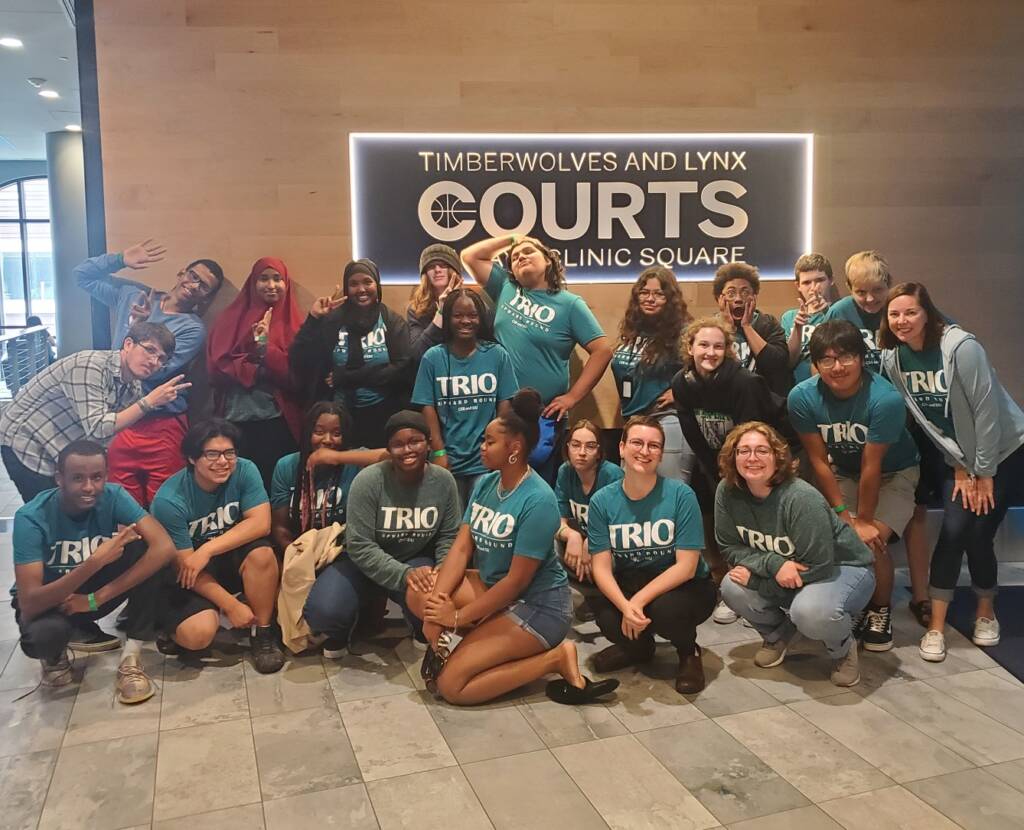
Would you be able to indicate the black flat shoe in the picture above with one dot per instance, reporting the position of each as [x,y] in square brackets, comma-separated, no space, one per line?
[561,691]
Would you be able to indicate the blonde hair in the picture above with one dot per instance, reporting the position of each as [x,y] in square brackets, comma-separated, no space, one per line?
[785,465]
[705,323]
[867,266]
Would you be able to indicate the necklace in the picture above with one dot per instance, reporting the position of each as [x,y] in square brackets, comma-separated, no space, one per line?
[502,497]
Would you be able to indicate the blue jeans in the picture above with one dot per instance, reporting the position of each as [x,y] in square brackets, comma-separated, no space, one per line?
[340,593]
[677,459]
[819,611]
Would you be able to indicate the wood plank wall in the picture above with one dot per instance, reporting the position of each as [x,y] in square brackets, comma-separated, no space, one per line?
[225,122]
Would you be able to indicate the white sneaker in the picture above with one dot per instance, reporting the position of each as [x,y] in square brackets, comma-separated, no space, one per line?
[723,614]
[933,647]
[986,632]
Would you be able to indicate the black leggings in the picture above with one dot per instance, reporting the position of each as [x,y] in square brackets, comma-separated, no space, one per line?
[29,483]
[674,615]
[265,443]
[964,532]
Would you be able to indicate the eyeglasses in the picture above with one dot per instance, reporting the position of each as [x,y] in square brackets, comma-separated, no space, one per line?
[760,452]
[589,446]
[193,278]
[743,294]
[638,445]
[413,444]
[644,294]
[843,360]
[153,351]
[216,455]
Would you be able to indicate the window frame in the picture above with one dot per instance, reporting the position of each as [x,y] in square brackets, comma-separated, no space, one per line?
[23,222]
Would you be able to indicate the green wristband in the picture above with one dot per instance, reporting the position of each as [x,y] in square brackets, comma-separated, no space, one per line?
[92,602]
[839,508]
[439,453]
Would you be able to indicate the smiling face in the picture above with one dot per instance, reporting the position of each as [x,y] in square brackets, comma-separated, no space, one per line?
[840,372]
[735,295]
[641,450]
[216,462]
[584,450]
[651,297]
[755,459]
[142,359]
[270,285]
[907,320]
[708,350]
[407,449]
[362,290]
[464,320]
[438,275]
[81,482]
[815,289]
[193,285]
[326,433]
[528,264]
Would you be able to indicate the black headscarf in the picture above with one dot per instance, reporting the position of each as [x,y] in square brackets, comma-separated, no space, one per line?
[359,322]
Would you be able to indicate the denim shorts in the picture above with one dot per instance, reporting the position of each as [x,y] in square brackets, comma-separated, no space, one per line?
[547,615]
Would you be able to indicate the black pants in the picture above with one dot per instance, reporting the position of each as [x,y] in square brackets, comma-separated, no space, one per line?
[265,443]
[674,615]
[29,483]
[368,422]
[47,635]
[964,532]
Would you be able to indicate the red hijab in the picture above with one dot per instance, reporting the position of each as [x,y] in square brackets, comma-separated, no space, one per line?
[230,349]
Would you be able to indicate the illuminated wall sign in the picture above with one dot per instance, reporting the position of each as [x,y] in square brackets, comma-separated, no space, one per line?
[612,204]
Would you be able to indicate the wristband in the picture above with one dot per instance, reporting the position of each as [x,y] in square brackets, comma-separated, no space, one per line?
[514,240]
[840,508]
[145,406]
[439,453]
[92,602]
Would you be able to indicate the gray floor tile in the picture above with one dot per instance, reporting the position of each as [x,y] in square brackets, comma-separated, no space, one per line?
[558,725]
[1005,675]
[394,736]
[23,671]
[553,800]
[346,808]
[205,768]
[376,672]
[712,634]
[897,749]
[643,702]
[1000,699]
[816,764]
[805,818]
[801,677]
[103,785]
[194,696]
[301,684]
[23,783]
[1009,772]
[37,722]
[6,648]
[299,752]
[411,654]
[893,808]
[901,665]
[727,693]
[481,732]
[98,717]
[440,798]
[249,817]
[629,787]
[725,776]
[973,799]
[956,725]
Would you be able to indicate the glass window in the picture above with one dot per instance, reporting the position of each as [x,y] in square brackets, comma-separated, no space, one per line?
[26,254]
[37,199]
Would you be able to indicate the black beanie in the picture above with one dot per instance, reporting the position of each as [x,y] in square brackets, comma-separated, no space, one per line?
[362,266]
[440,253]
[405,419]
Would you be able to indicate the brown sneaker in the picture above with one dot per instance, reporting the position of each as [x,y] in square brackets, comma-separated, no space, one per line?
[771,655]
[846,670]
[615,657]
[690,677]
[133,684]
[56,673]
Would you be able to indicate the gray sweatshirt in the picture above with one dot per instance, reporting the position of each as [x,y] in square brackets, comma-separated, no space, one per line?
[988,423]
[389,523]
[794,523]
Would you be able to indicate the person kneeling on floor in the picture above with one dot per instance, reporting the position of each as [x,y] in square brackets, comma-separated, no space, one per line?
[73,566]
[218,515]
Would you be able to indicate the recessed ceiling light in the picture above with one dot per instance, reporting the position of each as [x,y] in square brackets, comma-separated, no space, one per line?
[11,42]
[49,93]
[75,128]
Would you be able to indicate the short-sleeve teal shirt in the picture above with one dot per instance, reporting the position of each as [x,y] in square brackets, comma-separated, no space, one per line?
[573,503]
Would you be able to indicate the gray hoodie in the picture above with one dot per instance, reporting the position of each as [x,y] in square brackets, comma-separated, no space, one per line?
[988,423]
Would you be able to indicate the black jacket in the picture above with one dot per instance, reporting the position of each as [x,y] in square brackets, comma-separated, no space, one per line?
[773,361]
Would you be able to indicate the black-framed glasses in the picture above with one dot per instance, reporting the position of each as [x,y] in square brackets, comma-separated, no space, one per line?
[413,444]
[843,360]
[153,351]
[216,455]
[192,278]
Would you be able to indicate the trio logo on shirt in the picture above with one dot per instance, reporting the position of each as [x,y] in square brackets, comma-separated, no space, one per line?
[526,313]
[455,386]
[377,337]
[66,553]
[216,522]
[714,426]
[844,432]
[781,545]
[491,523]
[579,512]
[642,534]
[741,348]
[926,382]
[408,522]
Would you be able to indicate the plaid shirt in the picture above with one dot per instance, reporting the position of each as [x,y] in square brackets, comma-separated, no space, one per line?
[77,397]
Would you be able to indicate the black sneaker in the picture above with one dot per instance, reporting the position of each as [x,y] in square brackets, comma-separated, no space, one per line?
[165,645]
[876,635]
[267,656]
[90,638]
[335,647]
[857,623]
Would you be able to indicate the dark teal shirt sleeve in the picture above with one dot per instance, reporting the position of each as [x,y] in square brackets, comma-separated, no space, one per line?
[583,323]
[126,510]
[282,482]
[496,281]
[598,539]
[689,526]
[27,539]
[250,484]
[536,527]
[172,516]
[508,384]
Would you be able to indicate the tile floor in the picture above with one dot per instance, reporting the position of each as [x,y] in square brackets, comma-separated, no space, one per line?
[359,744]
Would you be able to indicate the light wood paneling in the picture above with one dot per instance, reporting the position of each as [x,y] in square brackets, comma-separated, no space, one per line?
[225,122]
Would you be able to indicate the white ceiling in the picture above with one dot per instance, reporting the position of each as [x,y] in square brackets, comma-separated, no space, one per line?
[25,118]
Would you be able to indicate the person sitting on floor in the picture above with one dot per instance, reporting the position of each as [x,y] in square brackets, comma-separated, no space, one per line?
[72,566]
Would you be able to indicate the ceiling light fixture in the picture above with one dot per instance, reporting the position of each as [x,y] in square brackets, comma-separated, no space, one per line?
[11,42]
[75,128]
[49,93]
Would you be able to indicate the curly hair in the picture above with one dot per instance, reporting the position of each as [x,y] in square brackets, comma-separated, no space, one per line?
[785,464]
[663,341]
[705,323]
[554,275]
[736,271]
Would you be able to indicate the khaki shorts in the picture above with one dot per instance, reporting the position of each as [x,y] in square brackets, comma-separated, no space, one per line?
[895,498]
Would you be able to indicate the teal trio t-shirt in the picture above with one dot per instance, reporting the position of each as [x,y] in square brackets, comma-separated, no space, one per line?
[925,379]
[330,489]
[573,503]
[875,415]
[802,370]
[43,532]
[539,330]
[192,516]
[465,392]
[523,524]
[648,532]
[375,350]
[847,309]
[639,386]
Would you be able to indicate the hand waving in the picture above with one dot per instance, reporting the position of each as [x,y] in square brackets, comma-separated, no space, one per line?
[143,254]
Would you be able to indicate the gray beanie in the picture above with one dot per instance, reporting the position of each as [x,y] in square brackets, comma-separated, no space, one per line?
[440,253]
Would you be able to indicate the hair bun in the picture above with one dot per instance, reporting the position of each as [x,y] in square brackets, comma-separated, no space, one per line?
[527,405]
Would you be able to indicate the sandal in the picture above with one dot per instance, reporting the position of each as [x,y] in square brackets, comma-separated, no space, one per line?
[561,691]
[922,611]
